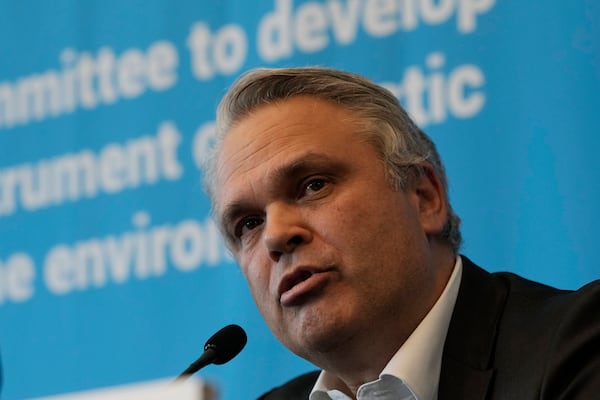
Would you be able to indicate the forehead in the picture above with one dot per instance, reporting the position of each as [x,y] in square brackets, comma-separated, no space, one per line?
[298,115]
[277,134]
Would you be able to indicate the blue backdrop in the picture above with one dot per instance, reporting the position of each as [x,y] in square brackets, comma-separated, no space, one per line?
[111,270]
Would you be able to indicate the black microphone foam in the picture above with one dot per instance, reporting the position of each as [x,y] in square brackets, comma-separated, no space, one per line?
[220,348]
[227,343]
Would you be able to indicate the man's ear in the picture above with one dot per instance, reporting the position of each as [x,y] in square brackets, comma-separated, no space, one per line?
[431,200]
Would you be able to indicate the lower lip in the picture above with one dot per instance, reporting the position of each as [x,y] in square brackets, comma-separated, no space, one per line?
[303,291]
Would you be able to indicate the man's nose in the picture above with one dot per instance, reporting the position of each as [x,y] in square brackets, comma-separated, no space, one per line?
[285,230]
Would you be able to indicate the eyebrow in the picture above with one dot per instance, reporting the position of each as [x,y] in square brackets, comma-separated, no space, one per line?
[302,165]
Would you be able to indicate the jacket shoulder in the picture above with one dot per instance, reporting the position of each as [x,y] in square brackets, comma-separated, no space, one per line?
[543,340]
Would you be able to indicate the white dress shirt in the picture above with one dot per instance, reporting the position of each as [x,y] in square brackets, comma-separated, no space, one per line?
[415,368]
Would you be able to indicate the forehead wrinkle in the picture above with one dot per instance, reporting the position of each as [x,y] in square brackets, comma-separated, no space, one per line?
[280,136]
[257,151]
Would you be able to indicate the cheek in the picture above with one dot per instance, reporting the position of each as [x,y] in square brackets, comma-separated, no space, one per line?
[258,276]
[377,231]
[362,221]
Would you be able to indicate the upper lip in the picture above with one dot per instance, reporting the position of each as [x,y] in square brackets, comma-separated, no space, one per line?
[296,276]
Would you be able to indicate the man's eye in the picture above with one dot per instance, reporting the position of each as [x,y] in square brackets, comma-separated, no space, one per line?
[247,224]
[315,185]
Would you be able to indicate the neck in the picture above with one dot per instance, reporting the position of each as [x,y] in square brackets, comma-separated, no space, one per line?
[355,365]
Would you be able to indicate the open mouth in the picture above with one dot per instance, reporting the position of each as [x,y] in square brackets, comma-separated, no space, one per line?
[301,285]
[301,276]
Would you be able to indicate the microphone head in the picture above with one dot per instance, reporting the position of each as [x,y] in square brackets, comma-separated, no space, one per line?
[227,343]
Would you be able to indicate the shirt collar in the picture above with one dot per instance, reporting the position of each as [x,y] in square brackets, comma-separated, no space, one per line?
[418,362]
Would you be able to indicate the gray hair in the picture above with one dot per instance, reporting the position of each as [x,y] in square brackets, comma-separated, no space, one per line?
[403,147]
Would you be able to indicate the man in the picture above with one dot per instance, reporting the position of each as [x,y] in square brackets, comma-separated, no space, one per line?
[335,206]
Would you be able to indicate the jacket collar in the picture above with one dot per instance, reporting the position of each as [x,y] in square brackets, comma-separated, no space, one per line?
[467,359]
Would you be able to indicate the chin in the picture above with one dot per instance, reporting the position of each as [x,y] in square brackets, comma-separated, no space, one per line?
[318,337]
[318,327]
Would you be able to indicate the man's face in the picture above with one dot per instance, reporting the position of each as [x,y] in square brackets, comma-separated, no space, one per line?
[331,252]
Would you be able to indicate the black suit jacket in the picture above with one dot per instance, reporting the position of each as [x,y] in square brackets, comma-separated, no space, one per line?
[510,339]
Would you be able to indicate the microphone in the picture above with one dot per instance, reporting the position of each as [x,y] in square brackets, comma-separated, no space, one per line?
[219,349]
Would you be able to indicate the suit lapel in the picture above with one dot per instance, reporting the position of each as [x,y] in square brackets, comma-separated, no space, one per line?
[466,362]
